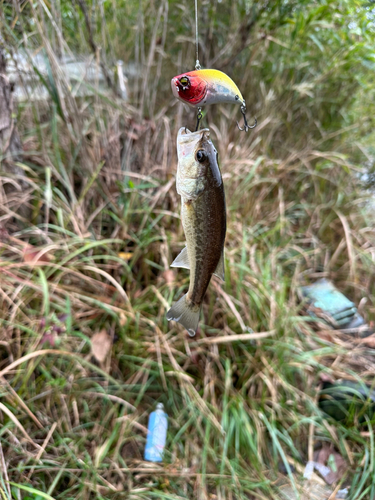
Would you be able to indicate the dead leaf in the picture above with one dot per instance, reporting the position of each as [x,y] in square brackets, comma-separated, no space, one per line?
[169,277]
[123,319]
[321,456]
[101,344]
[4,235]
[50,338]
[35,255]
[325,335]
[340,465]
[335,465]
[369,341]
[132,136]
[325,377]
[125,255]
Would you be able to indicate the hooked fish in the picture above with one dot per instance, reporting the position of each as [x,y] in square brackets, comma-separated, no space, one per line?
[201,188]
[206,86]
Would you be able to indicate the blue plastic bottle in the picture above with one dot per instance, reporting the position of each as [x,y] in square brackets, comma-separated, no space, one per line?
[157,434]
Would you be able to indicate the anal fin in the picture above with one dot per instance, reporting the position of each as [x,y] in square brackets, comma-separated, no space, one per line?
[219,271]
[182,259]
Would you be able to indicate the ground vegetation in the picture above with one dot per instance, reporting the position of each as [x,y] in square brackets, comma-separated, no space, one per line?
[89,224]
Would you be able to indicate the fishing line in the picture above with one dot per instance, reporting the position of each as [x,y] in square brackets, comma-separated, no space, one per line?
[197,64]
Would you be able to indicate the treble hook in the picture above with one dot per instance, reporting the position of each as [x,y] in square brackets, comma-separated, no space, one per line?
[246,127]
[199,117]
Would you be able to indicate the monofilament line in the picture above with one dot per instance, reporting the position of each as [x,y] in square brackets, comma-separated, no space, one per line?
[197,64]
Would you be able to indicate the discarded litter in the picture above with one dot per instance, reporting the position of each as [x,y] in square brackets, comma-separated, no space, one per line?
[323,470]
[324,298]
[309,469]
[157,434]
[328,463]
[342,493]
[342,399]
[326,302]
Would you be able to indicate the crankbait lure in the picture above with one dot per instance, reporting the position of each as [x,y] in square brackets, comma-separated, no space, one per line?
[208,86]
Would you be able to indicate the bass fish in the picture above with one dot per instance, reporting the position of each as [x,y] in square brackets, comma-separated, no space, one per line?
[206,86]
[201,188]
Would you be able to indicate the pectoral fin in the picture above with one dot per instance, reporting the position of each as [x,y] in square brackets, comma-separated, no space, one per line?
[182,259]
[219,271]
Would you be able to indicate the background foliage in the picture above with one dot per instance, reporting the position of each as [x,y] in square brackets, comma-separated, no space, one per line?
[90,224]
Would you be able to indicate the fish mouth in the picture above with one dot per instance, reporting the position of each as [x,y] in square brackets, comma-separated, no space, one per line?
[187,141]
[185,135]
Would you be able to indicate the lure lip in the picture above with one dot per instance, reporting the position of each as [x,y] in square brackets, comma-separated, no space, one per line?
[175,88]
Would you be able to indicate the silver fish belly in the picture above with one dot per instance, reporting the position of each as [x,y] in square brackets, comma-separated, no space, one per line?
[200,186]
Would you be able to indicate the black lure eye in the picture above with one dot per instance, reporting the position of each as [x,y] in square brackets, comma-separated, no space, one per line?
[185,82]
[201,155]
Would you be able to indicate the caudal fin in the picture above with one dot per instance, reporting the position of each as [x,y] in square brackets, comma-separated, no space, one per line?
[188,316]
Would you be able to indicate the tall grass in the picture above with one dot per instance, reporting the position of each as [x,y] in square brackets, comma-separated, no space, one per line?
[102,217]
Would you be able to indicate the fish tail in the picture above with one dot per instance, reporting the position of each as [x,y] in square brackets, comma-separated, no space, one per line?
[187,315]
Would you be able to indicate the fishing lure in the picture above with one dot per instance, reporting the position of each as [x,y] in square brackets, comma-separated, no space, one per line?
[208,86]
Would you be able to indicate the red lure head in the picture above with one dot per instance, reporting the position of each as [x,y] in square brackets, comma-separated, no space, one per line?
[190,88]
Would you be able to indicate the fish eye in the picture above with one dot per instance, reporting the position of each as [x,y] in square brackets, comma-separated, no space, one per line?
[201,155]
